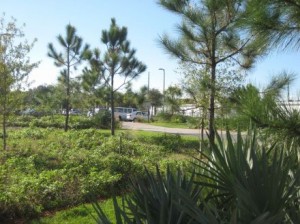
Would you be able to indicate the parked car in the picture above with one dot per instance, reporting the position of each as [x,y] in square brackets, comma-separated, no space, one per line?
[95,111]
[137,115]
[29,111]
[72,112]
[120,113]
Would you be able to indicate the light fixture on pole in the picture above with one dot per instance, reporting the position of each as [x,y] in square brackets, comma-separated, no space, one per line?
[164,78]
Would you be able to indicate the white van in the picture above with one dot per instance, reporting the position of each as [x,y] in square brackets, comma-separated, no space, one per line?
[137,115]
[121,112]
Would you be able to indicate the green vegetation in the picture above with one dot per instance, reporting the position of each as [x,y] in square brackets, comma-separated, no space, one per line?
[77,215]
[156,178]
[241,181]
[47,169]
[211,36]
[119,60]
[15,66]
[170,125]
[101,121]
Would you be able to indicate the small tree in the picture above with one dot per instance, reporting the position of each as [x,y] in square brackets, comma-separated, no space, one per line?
[14,68]
[155,99]
[172,98]
[118,60]
[141,97]
[44,97]
[130,98]
[210,35]
[72,56]
[92,81]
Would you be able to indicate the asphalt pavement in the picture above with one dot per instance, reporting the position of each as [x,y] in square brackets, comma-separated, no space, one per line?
[149,127]
[180,131]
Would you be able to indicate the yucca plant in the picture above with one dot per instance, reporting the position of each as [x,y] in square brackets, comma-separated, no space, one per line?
[250,182]
[240,180]
[159,199]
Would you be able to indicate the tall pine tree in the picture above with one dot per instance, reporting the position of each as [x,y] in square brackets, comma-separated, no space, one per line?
[118,61]
[71,56]
[209,36]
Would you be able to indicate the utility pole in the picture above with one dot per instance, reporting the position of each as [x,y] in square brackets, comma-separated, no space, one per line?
[164,79]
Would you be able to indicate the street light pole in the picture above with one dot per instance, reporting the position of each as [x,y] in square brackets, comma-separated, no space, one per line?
[148,103]
[164,78]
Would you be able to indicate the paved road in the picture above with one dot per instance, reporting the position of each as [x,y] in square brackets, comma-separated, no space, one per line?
[181,131]
[149,127]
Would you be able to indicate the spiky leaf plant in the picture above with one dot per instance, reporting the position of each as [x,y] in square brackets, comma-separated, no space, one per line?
[159,199]
[240,180]
[250,181]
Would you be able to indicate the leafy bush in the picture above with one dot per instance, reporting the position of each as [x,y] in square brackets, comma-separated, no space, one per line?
[178,118]
[102,119]
[233,123]
[170,142]
[49,168]
[163,116]
[194,122]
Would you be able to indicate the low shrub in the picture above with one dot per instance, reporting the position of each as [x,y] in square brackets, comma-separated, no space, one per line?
[102,119]
[193,122]
[47,168]
[178,118]
[170,142]
[163,116]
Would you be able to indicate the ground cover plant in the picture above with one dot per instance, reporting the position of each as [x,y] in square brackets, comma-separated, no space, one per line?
[100,120]
[77,215]
[47,168]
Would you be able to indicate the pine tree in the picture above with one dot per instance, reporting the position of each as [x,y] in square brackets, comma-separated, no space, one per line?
[118,61]
[209,36]
[73,54]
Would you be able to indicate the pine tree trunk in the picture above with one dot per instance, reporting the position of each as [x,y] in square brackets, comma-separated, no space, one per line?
[212,105]
[4,115]
[112,104]
[4,128]
[68,93]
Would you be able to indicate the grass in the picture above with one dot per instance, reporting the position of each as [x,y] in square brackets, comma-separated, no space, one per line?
[77,215]
[170,124]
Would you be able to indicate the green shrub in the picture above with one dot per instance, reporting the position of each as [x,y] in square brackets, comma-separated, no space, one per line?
[163,116]
[233,123]
[170,142]
[47,168]
[178,118]
[102,119]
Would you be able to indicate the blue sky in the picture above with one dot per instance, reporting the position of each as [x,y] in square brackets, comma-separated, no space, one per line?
[145,21]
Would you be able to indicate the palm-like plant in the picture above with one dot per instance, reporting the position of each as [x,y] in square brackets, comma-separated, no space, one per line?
[240,180]
[266,110]
[255,182]
[159,200]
